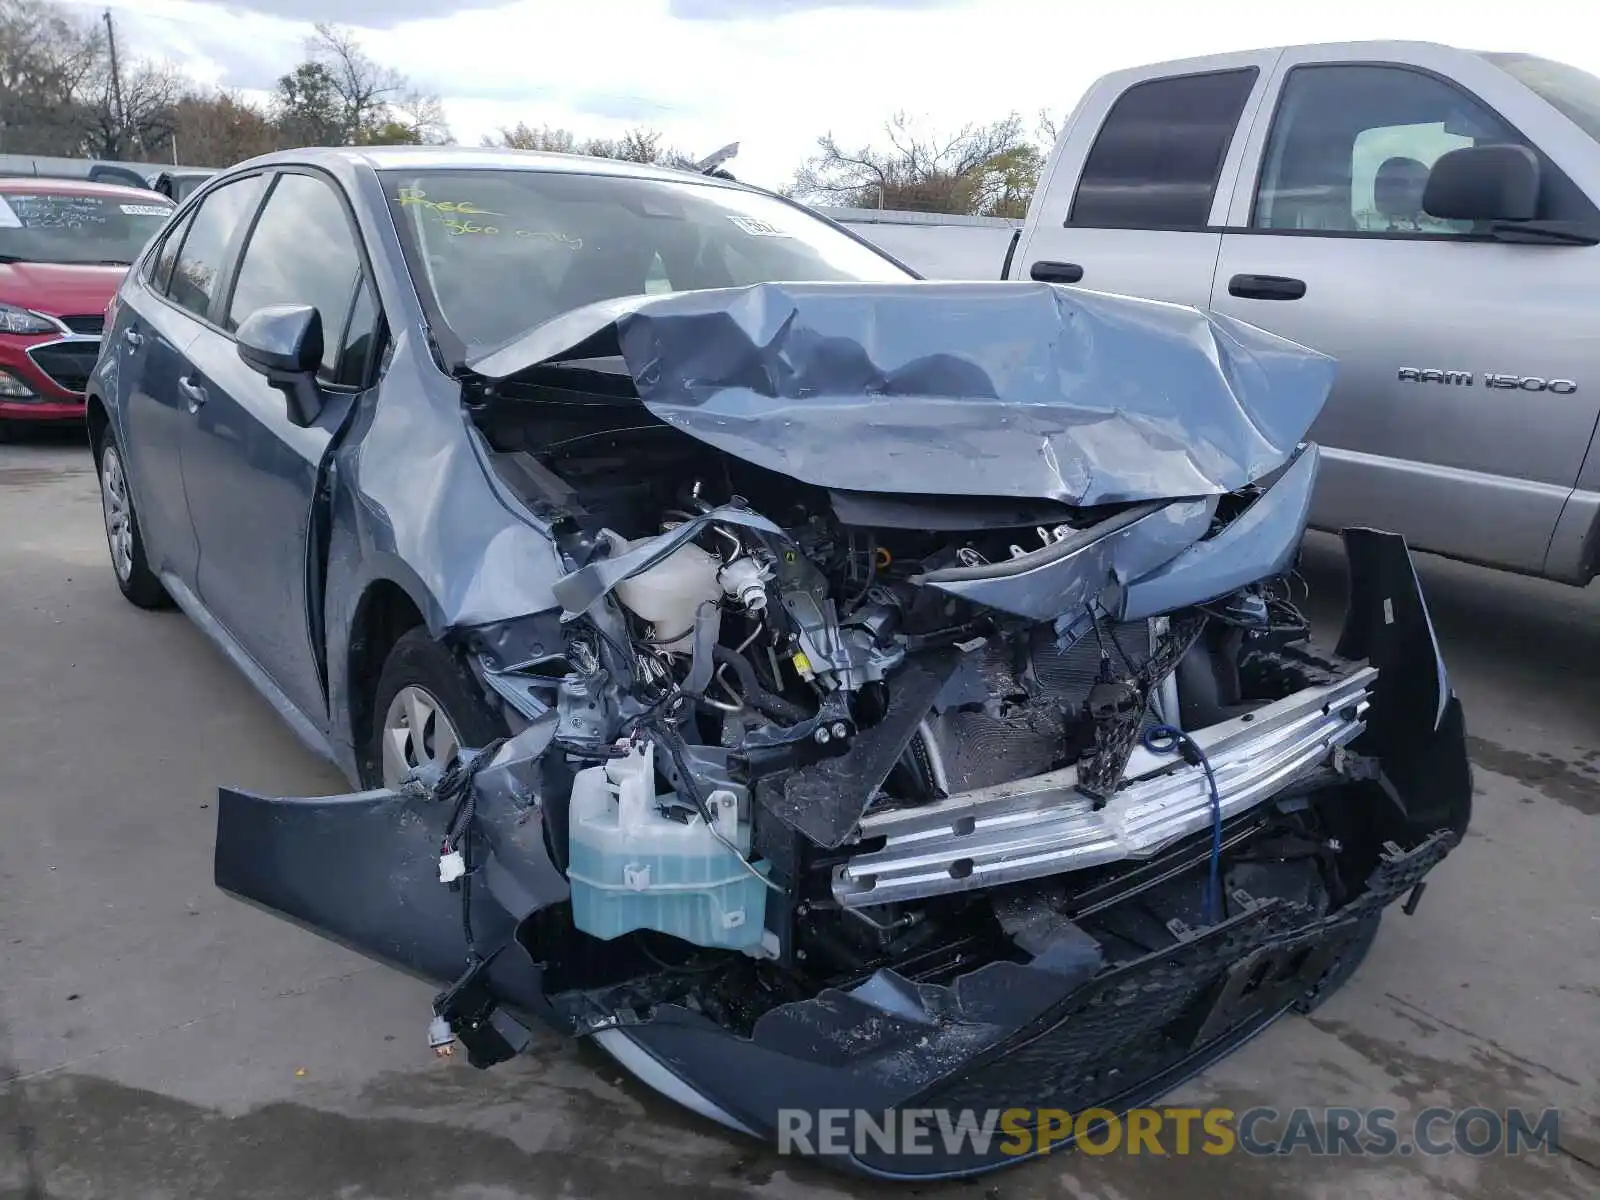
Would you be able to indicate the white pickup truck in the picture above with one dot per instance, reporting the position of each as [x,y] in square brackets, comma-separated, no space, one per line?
[1429,216]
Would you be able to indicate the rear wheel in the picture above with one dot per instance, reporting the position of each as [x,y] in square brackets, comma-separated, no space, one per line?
[426,707]
[134,576]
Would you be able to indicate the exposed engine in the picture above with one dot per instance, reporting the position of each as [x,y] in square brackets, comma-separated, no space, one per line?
[788,681]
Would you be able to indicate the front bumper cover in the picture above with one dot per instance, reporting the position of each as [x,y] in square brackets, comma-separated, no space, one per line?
[1010,1036]
[1059,1030]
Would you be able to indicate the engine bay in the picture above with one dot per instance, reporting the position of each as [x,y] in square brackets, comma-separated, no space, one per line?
[755,669]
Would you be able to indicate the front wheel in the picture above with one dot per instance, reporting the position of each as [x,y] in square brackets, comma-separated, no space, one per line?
[134,577]
[426,707]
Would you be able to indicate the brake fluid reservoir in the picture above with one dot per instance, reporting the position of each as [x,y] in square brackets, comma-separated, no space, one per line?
[669,593]
[631,867]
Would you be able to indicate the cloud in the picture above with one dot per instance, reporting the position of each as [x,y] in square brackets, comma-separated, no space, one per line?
[746,10]
[618,106]
[367,14]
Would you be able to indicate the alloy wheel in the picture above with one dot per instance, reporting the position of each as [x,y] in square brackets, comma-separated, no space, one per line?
[416,732]
[118,512]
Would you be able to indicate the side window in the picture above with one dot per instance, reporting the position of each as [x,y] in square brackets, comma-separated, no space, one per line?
[1156,159]
[1351,148]
[205,246]
[161,267]
[302,251]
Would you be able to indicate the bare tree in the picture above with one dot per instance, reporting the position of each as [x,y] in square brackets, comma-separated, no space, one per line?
[981,168]
[141,125]
[421,116]
[364,88]
[49,60]
[636,145]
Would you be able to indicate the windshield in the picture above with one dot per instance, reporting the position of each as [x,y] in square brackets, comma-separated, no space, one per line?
[60,227]
[497,252]
[1572,92]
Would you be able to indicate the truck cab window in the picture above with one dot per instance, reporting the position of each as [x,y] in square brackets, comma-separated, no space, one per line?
[1155,162]
[1351,148]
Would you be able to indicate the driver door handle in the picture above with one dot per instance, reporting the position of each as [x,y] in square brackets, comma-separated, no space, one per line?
[193,393]
[1266,287]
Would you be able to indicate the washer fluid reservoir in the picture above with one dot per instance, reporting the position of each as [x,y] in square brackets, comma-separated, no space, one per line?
[631,867]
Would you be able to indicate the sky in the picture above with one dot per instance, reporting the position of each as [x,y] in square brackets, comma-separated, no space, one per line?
[773,75]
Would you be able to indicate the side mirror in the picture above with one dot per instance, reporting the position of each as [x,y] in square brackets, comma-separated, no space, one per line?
[1484,183]
[284,343]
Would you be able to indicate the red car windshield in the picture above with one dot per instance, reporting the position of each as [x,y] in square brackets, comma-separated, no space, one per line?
[66,227]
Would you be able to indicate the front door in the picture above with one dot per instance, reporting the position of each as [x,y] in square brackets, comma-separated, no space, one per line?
[1137,218]
[1467,388]
[251,475]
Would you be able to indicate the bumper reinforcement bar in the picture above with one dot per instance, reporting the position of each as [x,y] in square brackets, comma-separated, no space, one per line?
[1043,825]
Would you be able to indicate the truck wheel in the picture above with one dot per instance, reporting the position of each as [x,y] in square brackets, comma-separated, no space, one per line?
[136,580]
[425,708]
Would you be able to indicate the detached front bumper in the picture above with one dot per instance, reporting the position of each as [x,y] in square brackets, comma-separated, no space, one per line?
[1048,1016]
[1009,1037]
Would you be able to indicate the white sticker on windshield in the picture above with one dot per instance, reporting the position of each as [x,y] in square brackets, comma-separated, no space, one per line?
[8,219]
[146,210]
[757,228]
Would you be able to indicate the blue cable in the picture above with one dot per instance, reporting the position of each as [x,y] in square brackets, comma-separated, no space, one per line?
[1169,739]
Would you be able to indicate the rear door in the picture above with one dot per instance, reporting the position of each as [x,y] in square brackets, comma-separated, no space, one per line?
[250,474]
[161,321]
[1158,154]
[1329,246]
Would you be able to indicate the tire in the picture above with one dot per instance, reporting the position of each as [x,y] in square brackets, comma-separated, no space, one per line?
[124,542]
[421,680]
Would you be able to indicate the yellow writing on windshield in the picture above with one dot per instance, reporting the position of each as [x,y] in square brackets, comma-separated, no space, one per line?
[456,216]
[415,195]
[459,225]
[574,243]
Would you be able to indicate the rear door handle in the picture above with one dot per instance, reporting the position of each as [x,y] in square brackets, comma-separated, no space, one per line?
[192,392]
[1045,271]
[1266,287]
[134,338]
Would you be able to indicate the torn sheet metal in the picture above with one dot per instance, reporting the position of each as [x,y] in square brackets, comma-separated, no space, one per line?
[1078,571]
[975,389]
[1258,544]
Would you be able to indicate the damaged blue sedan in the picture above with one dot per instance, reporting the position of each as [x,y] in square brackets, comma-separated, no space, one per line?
[820,687]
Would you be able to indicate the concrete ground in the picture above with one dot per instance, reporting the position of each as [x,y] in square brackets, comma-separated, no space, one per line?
[158,1039]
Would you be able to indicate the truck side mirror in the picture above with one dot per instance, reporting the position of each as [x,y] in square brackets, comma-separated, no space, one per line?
[1484,183]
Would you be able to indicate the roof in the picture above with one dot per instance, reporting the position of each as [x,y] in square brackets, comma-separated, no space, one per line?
[50,185]
[386,158]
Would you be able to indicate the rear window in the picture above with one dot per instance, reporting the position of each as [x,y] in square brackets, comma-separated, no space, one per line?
[1156,160]
[496,252]
[59,227]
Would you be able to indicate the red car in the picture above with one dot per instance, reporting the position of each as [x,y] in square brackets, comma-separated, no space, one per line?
[65,245]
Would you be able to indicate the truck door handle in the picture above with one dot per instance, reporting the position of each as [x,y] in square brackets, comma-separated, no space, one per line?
[192,392]
[134,338]
[1045,271]
[1266,287]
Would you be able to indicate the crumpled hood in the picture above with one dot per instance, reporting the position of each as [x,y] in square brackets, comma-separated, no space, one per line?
[980,389]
